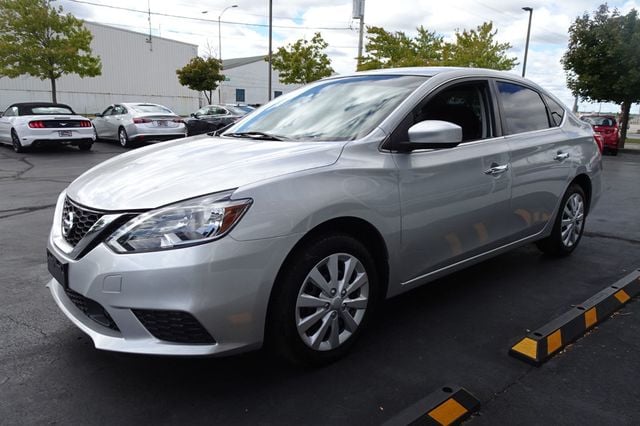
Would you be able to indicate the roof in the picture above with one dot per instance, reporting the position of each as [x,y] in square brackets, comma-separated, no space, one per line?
[25,108]
[99,24]
[238,62]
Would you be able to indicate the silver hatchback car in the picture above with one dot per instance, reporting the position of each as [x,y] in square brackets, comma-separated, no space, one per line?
[129,123]
[293,225]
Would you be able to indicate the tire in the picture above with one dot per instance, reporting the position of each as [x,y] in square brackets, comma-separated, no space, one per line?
[15,142]
[614,152]
[85,146]
[95,133]
[312,326]
[569,225]
[123,138]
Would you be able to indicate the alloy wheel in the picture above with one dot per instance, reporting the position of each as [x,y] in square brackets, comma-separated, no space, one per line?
[332,302]
[122,136]
[572,220]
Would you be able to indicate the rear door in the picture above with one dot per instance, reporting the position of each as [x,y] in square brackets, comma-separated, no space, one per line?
[455,202]
[540,155]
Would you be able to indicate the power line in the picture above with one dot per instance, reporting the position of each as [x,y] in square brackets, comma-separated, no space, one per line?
[211,21]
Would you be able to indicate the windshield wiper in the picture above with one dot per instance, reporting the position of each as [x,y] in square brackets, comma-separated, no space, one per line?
[257,135]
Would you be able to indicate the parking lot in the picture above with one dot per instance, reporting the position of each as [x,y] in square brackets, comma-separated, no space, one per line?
[456,331]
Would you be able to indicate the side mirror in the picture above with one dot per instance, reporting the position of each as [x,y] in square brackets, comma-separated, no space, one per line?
[432,134]
[98,114]
[193,114]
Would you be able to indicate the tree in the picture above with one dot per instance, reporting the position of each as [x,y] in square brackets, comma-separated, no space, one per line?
[37,39]
[303,61]
[602,62]
[392,50]
[474,48]
[202,75]
[478,48]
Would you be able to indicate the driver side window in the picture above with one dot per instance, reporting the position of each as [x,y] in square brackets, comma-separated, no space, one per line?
[466,104]
[107,111]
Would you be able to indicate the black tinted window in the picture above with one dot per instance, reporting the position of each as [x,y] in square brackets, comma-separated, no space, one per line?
[556,112]
[523,109]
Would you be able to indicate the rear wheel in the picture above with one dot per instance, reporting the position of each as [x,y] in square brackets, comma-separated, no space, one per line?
[123,138]
[85,146]
[15,141]
[569,225]
[323,300]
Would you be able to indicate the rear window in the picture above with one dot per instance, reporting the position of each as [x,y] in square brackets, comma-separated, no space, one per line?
[523,109]
[556,112]
[151,108]
[599,121]
[48,110]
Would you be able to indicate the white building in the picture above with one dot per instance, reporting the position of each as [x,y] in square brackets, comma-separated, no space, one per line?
[246,82]
[132,70]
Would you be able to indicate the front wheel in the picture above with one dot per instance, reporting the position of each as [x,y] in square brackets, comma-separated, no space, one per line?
[323,301]
[569,225]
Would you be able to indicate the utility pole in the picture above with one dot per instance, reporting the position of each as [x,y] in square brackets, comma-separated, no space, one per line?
[270,45]
[149,40]
[526,48]
[358,13]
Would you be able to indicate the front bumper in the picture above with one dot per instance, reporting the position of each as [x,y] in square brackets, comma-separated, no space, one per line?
[225,285]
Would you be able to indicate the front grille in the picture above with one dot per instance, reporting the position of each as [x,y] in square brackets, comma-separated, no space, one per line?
[174,326]
[92,309]
[76,221]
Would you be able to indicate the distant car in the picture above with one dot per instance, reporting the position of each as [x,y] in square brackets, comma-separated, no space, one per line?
[214,117]
[246,108]
[607,127]
[35,124]
[129,123]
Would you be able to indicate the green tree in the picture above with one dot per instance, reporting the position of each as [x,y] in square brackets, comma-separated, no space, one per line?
[39,40]
[474,48]
[202,75]
[303,61]
[602,62]
[478,48]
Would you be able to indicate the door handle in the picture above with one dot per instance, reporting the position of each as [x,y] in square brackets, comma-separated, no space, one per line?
[561,156]
[496,170]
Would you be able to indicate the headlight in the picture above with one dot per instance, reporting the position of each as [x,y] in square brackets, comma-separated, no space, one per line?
[190,222]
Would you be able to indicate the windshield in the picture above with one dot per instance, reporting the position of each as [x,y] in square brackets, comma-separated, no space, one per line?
[151,108]
[333,110]
[237,110]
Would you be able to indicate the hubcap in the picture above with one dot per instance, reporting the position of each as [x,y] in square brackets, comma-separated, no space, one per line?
[123,138]
[572,220]
[332,302]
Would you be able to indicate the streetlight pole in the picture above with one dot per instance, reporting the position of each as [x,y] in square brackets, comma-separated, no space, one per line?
[220,48]
[526,48]
[270,47]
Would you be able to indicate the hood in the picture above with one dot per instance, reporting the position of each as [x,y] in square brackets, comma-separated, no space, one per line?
[173,171]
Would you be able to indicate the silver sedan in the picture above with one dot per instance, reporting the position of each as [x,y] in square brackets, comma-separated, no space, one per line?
[129,123]
[292,226]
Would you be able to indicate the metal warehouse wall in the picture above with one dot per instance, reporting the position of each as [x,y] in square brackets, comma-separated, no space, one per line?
[130,72]
[253,79]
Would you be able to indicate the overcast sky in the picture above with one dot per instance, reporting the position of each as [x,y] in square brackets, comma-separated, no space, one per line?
[244,31]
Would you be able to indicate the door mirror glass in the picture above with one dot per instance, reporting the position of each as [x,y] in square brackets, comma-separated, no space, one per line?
[433,134]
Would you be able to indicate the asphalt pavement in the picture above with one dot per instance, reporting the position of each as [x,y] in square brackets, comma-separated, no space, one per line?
[456,331]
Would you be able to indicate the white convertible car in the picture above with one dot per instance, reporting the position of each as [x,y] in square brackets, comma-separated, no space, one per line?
[37,124]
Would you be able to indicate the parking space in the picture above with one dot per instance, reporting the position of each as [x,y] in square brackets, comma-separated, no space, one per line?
[457,331]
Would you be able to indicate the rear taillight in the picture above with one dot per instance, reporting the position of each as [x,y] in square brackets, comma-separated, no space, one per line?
[178,120]
[599,141]
[141,120]
[85,124]
[36,124]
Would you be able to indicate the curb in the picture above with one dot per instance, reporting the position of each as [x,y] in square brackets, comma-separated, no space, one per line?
[541,344]
[447,406]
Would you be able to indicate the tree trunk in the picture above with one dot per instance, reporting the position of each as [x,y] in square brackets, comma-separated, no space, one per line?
[54,97]
[624,123]
[207,96]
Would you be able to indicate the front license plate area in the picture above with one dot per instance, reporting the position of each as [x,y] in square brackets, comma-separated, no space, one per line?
[59,270]
[64,133]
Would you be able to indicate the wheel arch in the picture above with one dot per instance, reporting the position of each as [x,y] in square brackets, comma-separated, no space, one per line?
[584,182]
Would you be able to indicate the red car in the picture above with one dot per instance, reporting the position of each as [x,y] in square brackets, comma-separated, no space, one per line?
[607,127]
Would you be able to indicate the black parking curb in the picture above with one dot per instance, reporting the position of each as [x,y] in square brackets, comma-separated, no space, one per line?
[447,406]
[629,151]
[541,344]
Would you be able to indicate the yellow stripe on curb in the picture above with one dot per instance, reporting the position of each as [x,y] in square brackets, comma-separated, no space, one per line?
[447,412]
[622,296]
[527,347]
[590,317]
[554,341]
